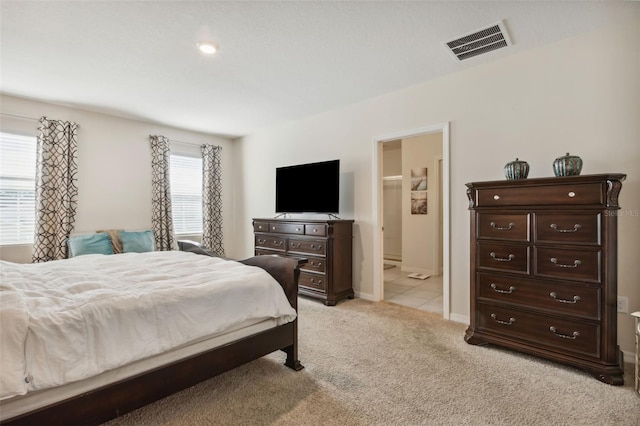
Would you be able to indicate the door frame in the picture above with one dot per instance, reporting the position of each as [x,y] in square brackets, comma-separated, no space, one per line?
[437,256]
[378,261]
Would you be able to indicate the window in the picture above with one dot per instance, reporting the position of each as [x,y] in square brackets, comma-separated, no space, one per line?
[17,189]
[186,194]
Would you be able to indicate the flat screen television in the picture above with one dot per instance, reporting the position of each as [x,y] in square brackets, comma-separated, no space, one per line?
[308,188]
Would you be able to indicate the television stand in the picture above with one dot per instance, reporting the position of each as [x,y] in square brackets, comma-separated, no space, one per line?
[327,244]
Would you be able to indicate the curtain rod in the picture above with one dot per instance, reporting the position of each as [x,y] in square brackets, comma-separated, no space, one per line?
[19,116]
[185,143]
[189,143]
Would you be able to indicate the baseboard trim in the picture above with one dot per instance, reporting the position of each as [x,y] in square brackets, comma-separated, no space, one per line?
[459,318]
[365,296]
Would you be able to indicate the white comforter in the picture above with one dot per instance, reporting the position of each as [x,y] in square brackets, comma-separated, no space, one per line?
[67,320]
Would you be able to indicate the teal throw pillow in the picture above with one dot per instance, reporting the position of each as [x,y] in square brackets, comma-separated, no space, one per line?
[90,244]
[137,242]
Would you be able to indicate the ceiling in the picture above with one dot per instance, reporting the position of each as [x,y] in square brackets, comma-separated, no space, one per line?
[277,61]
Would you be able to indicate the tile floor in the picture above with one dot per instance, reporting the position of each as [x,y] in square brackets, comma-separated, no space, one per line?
[425,295]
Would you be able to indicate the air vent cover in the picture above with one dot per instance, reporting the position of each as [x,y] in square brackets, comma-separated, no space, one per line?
[479,42]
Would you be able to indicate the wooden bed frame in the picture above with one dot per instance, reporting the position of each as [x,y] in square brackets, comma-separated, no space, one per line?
[105,403]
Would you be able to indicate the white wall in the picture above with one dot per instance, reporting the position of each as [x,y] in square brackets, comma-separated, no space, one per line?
[392,162]
[581,95]
[392,219]
[114,167]
[392,200]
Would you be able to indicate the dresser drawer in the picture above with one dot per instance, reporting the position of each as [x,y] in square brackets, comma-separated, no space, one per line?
[266,252]
[568,264]
[319,230]
[266,241]
[565,195]
[317,247]
[496,226]
[314,281]
[559,298]
[567,228]
[504,257]
[315,264]
[260,226]
[286,228]
[558,334]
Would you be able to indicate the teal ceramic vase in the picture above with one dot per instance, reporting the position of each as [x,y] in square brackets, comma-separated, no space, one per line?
[568,165]
[516,170]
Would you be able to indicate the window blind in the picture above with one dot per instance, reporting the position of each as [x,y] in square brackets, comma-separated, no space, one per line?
[186,194]
[17,188]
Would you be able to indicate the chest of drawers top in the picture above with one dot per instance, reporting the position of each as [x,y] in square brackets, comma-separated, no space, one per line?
[598,191]
[306,227]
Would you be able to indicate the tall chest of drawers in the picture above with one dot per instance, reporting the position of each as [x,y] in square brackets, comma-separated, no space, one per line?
[543,269]
[326,244]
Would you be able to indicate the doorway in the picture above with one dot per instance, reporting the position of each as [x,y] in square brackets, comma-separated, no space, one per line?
[429,222]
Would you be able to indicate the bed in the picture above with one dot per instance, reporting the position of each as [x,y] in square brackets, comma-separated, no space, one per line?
[87,339]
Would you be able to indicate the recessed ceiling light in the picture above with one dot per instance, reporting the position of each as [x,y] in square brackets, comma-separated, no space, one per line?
[208,48]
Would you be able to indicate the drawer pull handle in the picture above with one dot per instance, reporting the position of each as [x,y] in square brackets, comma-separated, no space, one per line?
[316,265]
[297,229]
[576,227]
[510,322]
[261,241]
[576,263]
[564,336]
[496,197]
[508,228]
[554,296]
[277,243]
[501,259]
[497,290]
[315,230]
[571,194]
[314,281]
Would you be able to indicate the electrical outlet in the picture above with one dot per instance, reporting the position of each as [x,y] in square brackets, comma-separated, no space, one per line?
[623,304]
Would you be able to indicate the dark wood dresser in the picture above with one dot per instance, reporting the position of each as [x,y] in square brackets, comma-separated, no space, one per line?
[327,244]
[543,269]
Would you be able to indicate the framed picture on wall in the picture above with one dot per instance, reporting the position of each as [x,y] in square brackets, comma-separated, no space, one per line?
[419,179]
[418,202]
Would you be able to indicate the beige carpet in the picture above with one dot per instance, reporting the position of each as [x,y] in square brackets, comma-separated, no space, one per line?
[384,364]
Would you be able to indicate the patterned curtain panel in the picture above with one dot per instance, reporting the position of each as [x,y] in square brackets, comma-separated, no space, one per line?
[56,189]
[212,199]
[161,221]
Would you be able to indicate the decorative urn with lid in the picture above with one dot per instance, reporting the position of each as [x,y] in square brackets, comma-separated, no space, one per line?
[516,169]
[568,165]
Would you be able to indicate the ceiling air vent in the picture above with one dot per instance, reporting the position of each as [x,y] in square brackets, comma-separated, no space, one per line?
[479,42]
